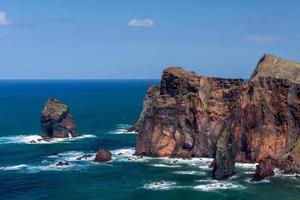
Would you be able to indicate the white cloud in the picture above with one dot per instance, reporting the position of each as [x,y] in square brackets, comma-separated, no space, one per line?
[262,39]
[3,19]
[141,23]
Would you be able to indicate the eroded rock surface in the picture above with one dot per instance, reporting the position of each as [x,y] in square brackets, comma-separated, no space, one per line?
[183,116]
[190,115]
[265,118]
[56,121]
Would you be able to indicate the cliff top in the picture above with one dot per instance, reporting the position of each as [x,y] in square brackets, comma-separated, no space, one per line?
[179,72]
[54,107]
[272,66]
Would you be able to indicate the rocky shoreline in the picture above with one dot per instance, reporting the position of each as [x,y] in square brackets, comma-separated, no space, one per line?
[229,120]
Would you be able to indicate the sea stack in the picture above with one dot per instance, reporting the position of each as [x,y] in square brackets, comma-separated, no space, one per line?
[229,120]
[56,121]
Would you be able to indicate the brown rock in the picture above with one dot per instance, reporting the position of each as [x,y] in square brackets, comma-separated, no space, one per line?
[103,155]
[264,169]
[195,116]
[183,116]
[56,121]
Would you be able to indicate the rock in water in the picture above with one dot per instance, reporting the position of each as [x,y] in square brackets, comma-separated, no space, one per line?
[195,116]
[103,155]
[56,121]
[264,169]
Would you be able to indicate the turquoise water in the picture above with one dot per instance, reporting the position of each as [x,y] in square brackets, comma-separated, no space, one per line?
[102,110]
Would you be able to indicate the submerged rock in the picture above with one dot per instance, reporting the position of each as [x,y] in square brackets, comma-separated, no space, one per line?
[226,119]
[103,155]
[86,156]
[60,163]
[56,121]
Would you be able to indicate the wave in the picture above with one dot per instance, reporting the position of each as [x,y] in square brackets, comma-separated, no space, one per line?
[249,180]
[14,167]
[246,165]
[160,185]
[127,155]
[37,139]
[218,185]
[68,159]
[189,172]
[122,129]
[165,166]
[74,156]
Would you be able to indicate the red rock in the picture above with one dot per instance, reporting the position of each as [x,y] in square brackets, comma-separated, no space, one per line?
[103,155]
[264,169]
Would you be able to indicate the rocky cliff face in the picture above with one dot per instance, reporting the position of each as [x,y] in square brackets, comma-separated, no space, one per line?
[194,116]
[183,116]
[56,121]
[264,120]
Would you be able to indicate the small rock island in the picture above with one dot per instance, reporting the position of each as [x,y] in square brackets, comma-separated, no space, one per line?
[229,120]
[56,121]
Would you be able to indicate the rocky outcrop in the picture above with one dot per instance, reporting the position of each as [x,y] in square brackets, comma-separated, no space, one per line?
[103,155]
[195,116]
[265,168]
[290,162]
[265,118]
[272,66]
[56,121]
[184,115]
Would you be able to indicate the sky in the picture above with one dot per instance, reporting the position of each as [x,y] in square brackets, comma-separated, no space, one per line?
[137,39]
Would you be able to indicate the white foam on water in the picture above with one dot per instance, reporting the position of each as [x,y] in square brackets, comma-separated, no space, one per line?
[161,185]
[218,185]
[281,174]
[248,172]
[37,139]
[202,163]
[127,155]
[249,180]
[246,165]
[165,166]
[73,156]
[35,168]
[14,167]
[189,172]
[123,129]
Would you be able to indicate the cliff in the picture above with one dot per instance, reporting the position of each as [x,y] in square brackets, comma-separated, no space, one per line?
[226,119]
[183,116]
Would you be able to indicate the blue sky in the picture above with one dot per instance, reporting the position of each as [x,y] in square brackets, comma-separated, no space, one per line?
[137,39]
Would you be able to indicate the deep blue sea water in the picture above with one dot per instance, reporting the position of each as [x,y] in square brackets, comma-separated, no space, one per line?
[102,110]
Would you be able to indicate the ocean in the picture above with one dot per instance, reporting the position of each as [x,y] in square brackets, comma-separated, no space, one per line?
[103,110]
